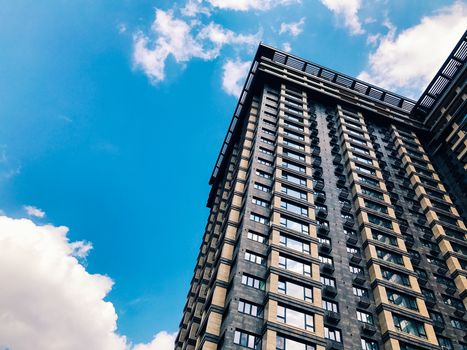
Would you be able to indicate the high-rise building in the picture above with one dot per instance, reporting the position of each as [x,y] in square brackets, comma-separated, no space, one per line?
[335,215]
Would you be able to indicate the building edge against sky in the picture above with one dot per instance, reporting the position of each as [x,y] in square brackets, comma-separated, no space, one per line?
[337,213]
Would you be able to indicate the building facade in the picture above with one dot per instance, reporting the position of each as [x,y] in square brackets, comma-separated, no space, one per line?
[336,216]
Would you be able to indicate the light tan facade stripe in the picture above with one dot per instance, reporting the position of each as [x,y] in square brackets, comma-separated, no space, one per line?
[455,268]
[385,318]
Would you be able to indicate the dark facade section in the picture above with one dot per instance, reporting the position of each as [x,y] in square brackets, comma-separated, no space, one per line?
[336,216]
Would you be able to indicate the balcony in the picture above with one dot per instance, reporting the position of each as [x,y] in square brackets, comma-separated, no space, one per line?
[330,291]
[451,290]
[439,326]
[315,141]
[340,180]
[327,268]
[415,259]
[349,222]
[323,229]
[459,312]
[318,185]
[320,197]
[364,302]
[368,329]
[429,301]
[334,140]
[352,239]
[318,172]
[337,160]
[422,280]
[316,151]
[332,317]
[359,279]
[442,270]
[335,150]
[346,207]
[355,258]
[324,247]
[322,213]
[333,345]
[344,194]
[314,132]
[316,162]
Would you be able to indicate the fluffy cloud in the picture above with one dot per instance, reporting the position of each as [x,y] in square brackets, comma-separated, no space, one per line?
[50,301]
[286,47]
[245,5]
[346,10]
[293,28]
[407,62]
[33,211]
[161,341]
[175,37]
[193,8]
[234,74]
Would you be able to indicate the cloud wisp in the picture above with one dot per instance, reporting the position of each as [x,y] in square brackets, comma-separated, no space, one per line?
[247,5]
[348,12]
[172,36]
[293,28]
[33,211]
[51,302]
[234,74]
[406,62]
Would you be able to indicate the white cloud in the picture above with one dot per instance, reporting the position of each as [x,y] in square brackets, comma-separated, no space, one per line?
[408,61]
[286,47]
[175,37]
[348,11]
[234,75]
[50,301]
[33,211]
[293,28]
[161,341]
[245,5]
[193,8]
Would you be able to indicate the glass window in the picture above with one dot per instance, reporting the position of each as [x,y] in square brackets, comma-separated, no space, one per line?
[330,306]
[356,270]
[376,206]
[256,237]
[248,308]
[328,281]
[380,221]
[294,208]
[368,180]
[264,162]
[283,343]
[294,224]
[397,298]
[294,266]
[409,326]
[372,193]
[252,257]
[260,202]
[293,166]
[295,318]
[247,340]
[383,237]
[396,277]
[332,334]
[295,244]
[364,317]
[293,192]
[360,292]
[326,260]
[445,343]
[294,155]
[263,174]
[365,170]
[293,178]
[254,282]
[459,324]
[389,256]
[258,218]
[369,344]
[295,290]
[262,187]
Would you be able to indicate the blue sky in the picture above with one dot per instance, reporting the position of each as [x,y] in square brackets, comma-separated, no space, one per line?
[112,114]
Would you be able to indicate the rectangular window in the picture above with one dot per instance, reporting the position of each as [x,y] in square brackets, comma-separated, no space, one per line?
[294,266]
[258,218]
[283,343]
[266,151]
[293,178]
[262,187]
[383,237]
[376,206]
[458,324]
[294,224]
[332,334]
[248,308]
[295,290]
[295,318]
[293,192]
[263,174]
[372,193]
[359,141]
[409,326]
[396,277]
[247,340]
[326,260]
[365,170]
[368,344]
[269,132]
[295,244]
[330,306]
[380,221]
[359,149]
[260,202]
[294,208]
[252,257]
[364,317]
[404,300]
[254,282]
[294,155]
[360,292]
[328,281]
[294,144]
[293,135]
[264,162]
[445,343]
[389,256]
[362,159]
[267,141]
[355,270]
[368,180]
[456,303]
[256,237]
[352,250]
[293,166]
